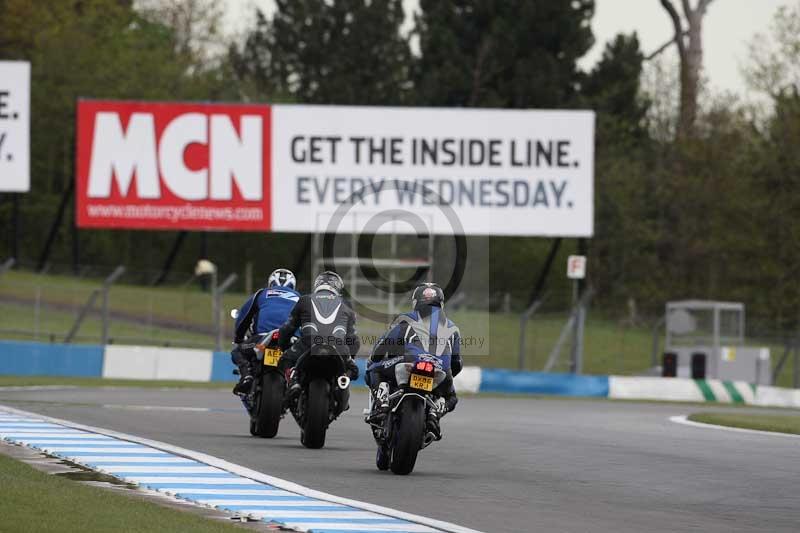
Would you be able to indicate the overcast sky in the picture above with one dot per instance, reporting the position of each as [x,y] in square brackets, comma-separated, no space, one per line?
[730,25]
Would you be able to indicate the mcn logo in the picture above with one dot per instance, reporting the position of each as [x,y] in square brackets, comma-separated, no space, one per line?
[173,166]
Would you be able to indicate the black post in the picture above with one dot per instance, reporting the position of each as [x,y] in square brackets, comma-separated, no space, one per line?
[170,258]
[548,264]
[76,261]
[15,226]
[204,245]
[51,236]
[204,255]
[583,249]
[535,300]
[302,257]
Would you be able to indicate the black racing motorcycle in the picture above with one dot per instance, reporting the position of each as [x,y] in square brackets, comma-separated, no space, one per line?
[404,431]
[324,393]
[265,400]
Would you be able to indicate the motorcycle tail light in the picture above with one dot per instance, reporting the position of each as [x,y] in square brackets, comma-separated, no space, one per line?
[275,335]
[424,366]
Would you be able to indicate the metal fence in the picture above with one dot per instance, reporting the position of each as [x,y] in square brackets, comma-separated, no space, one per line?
[111,306]
[108,305]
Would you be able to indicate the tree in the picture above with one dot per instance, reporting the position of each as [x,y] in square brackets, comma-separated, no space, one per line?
[774,67]
[194,24]
[689,40]
[517,53]
[88,49]
[613,89]
[344,52]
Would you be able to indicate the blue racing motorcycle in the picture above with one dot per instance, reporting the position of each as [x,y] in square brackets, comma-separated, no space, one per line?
[413,403]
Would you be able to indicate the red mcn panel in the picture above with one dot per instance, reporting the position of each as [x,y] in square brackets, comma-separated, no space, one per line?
[183,166]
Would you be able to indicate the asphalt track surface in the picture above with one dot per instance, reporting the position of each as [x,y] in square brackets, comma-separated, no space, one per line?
[505,465]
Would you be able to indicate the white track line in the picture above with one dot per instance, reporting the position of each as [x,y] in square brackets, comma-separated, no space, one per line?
[247,473]
[683,419]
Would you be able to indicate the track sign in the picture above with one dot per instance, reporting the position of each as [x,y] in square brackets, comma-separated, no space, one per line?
[576,267]
[15,86]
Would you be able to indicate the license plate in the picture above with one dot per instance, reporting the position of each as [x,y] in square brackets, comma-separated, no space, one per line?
[271,357]
[421,382]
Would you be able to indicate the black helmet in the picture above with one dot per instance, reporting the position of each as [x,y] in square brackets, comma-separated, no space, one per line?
[329,281]
[427,294]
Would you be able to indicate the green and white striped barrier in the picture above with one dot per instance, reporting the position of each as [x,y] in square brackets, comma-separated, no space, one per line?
[700,390]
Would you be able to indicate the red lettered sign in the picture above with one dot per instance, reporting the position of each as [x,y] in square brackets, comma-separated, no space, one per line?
[186,166]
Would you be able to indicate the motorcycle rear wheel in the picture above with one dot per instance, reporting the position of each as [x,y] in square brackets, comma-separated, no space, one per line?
[270,405]
[408,435]
[316,419]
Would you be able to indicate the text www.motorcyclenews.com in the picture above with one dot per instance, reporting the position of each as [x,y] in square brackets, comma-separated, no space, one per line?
[175,213]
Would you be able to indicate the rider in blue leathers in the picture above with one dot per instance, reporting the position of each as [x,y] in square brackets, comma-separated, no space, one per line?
[426,329]
[264,311]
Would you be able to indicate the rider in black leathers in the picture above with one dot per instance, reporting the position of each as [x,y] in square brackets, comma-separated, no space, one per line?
[323,318]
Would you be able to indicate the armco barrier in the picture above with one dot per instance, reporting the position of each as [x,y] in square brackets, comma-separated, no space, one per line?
[510,381]
[134,362]
[35,359]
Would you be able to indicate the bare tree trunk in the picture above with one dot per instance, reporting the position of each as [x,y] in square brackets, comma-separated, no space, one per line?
[691,58]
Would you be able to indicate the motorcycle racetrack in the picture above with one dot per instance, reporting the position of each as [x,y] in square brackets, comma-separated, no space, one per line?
[504,465]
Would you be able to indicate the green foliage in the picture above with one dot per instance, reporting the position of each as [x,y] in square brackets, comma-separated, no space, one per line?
[344,52]
[714,216]
[517,54]
[96,49]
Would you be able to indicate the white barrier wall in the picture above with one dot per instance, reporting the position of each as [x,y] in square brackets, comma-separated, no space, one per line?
[777,397]
[469,380]
[644,388]
[145,362]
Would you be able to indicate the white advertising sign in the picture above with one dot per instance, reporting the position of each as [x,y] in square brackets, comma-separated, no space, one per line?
[455,171]
[15,79]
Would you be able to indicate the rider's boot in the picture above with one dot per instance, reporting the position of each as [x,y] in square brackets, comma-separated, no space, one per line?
[245,381]
[432,423]
[293,384]
[380,403]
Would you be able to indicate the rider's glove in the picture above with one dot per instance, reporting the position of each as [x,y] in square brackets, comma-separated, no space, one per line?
[352,369]
[441,408]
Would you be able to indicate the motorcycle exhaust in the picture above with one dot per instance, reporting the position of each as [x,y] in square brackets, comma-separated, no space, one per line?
[428,440]
[343,382]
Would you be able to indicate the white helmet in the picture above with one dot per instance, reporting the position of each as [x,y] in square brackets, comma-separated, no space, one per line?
[282,278]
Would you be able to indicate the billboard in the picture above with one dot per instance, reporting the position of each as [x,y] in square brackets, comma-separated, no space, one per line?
[15,84]
[298,168]
[185,166]
[463,171]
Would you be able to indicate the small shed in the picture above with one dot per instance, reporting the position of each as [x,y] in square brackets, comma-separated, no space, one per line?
[706,339]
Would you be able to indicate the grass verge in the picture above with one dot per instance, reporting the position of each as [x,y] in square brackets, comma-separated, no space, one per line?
[776,423]
[33,501]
